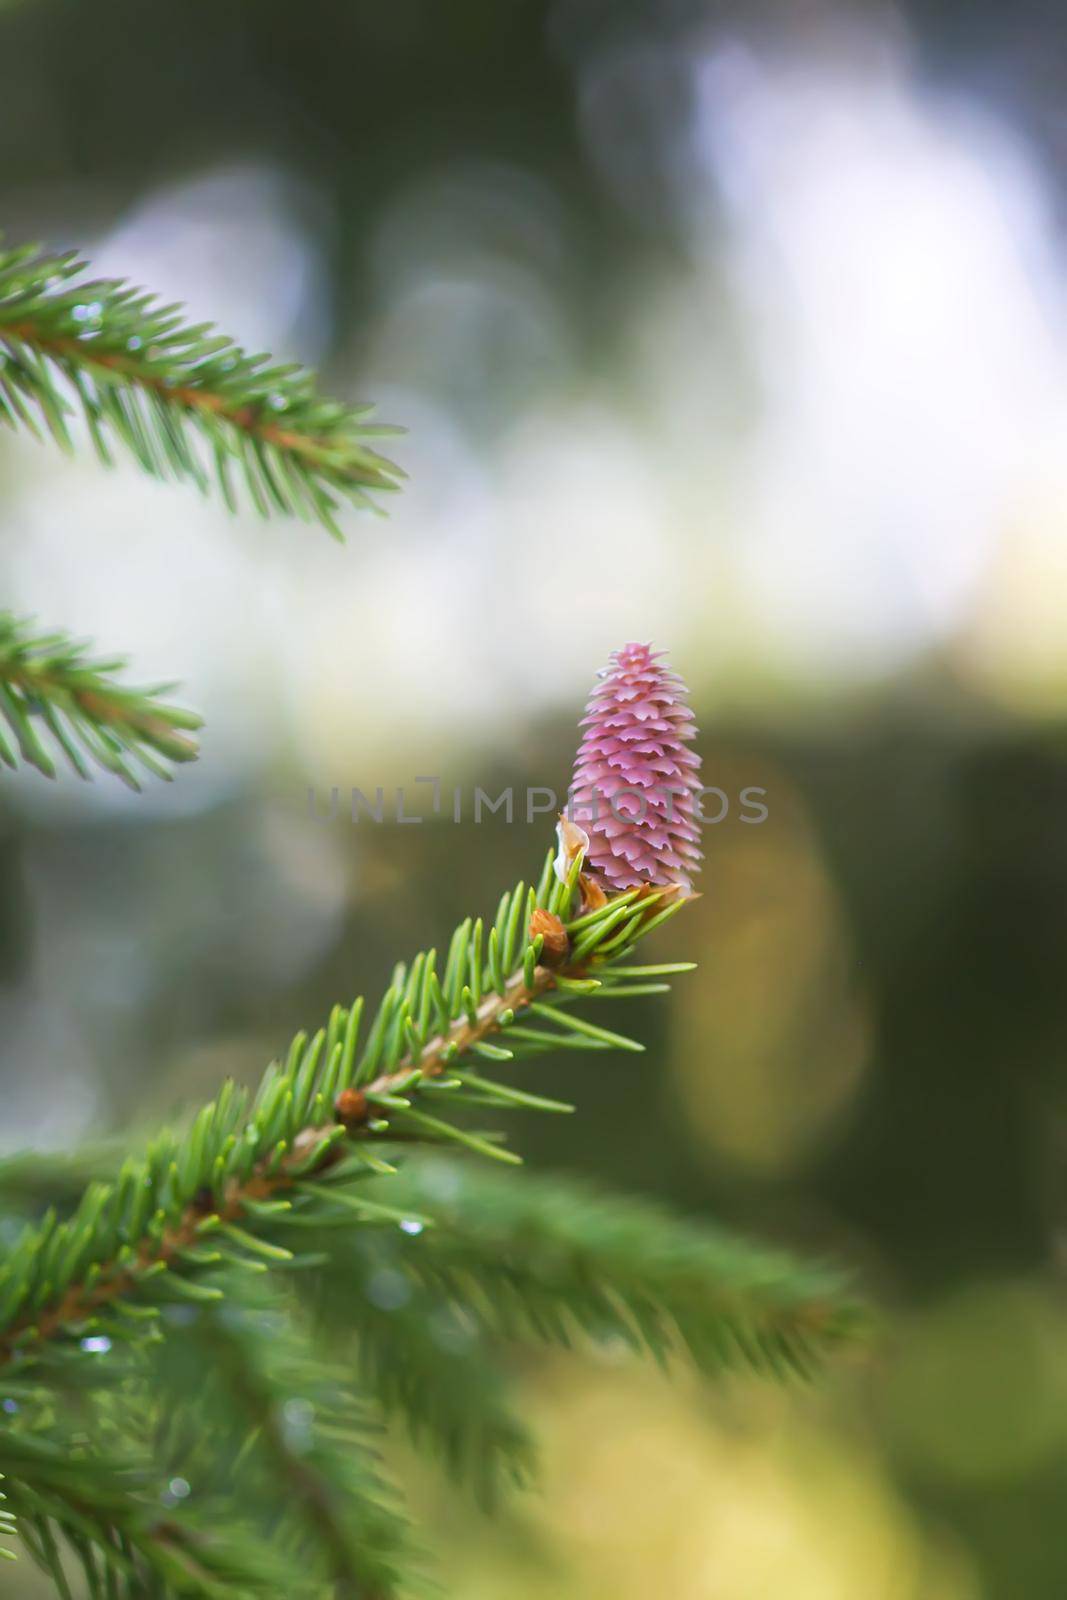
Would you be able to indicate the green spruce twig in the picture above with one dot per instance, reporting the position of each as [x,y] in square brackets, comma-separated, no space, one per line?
[58,701]
[184,401]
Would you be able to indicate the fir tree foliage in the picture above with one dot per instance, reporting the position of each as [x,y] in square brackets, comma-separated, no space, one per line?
[193,1259]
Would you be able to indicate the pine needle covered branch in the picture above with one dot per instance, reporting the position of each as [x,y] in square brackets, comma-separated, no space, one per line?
[58,701]
[548,1258]
[428,1357]
[314,1476]
[106,1514]
[289,1496]
[184,401]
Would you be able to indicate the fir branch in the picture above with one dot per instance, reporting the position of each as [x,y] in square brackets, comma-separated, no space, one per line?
[231,1423]
[242,1177]
[8,1527]
[312,1470]
[438,1263]
[549,1257]
[52,693]
[83,1509]
[186,402]
[426,1361]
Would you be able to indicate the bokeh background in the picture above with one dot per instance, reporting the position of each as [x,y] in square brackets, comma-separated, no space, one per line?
[739,327]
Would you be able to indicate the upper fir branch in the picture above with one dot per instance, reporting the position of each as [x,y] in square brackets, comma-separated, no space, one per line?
[185,401]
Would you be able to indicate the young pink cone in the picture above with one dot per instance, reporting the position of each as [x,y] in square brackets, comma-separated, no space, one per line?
[635,787]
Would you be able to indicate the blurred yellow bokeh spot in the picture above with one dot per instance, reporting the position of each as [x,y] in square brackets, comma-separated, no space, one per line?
[978,1390]
[650,1492]
[773,1032]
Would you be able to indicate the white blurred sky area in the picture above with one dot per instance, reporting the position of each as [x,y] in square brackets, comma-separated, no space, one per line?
[829,441]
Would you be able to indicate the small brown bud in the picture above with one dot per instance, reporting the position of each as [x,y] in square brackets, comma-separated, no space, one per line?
[556,946]
[204,1200]
[351,1107]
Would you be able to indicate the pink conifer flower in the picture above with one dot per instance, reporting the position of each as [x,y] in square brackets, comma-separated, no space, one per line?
[636,778]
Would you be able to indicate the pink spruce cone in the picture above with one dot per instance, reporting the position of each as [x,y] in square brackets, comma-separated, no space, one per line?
[636,778]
